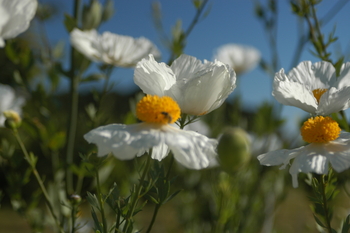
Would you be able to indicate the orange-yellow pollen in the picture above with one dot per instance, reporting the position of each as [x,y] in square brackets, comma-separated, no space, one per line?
[155,109]
[320,130]
[318,93]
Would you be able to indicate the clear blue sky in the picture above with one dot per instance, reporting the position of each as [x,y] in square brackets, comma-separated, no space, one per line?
[229,21]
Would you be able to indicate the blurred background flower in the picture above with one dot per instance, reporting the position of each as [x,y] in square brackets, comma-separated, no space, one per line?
[113,49]
[241,58]
[15,17]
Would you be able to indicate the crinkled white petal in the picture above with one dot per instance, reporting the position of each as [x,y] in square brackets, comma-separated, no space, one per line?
[197,87]
[292,93]
[152,77]
[203,90]
[241,58]
[84,41]
[314,157]
[318,75]
[334,100]
[296,87]
[191,149]
[15,17]
[110,48]
[9,100]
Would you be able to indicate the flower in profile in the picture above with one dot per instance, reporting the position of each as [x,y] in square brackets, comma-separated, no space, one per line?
[15,17]
[314,87]
[197,87]
[241,58]
[9,101]
[113,49]
[327,144]
[191,149]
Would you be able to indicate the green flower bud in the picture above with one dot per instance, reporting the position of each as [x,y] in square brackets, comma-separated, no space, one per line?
[75,199]
[13,120]
[108,10]
[92,15]
[233,149]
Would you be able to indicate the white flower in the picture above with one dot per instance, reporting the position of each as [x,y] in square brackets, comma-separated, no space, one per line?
[314,87]
[9,101]
[15,17]
[327,145]
[189,148]
[313,157]
[241,58]
[117,50]
[198,88]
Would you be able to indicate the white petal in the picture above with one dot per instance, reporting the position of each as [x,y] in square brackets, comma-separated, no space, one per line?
[334,100]
[191,149]
[278,157]
[289,92]
[313,76]
[152,77]
[85,43]
[18,15]
[125,51]
[201,88]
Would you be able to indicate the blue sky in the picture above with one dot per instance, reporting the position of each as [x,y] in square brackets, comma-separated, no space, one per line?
[229,21]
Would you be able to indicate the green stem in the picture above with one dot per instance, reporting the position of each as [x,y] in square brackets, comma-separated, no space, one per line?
[73,218]
[325,203]
[137,194]
[156,208]
[38,178]
[73,112]
[101,202]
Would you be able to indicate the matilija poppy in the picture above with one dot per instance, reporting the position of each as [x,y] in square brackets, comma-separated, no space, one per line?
[241,58]
[15,17]
[9,100]
[197,87]
[315,88]
[113,49]
[327,144]
[189,148]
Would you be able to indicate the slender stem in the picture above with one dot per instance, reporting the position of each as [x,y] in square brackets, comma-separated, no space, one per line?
[73,112]
[325,203]
[73,218]
[156,208]
[137,194]
[38,178]
[101,202]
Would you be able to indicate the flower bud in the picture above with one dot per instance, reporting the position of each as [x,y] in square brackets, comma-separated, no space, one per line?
[233,149]
[108,10]
[13,120]
[75,199]
[92,15]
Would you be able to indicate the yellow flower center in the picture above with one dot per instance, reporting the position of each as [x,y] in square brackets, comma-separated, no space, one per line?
[318,93]
[320,130]
[155,109]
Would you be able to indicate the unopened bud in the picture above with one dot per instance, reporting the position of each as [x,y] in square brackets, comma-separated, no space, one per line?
[13,120]
[75,199]
[233,149]
[92,15]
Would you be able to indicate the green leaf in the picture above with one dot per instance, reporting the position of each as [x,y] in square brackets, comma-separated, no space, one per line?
[69,22]
[319,222]
[92,199]
[346,225]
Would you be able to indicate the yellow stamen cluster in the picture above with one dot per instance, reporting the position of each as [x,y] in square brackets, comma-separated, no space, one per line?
[318,93]
[155,109]
[320,130]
